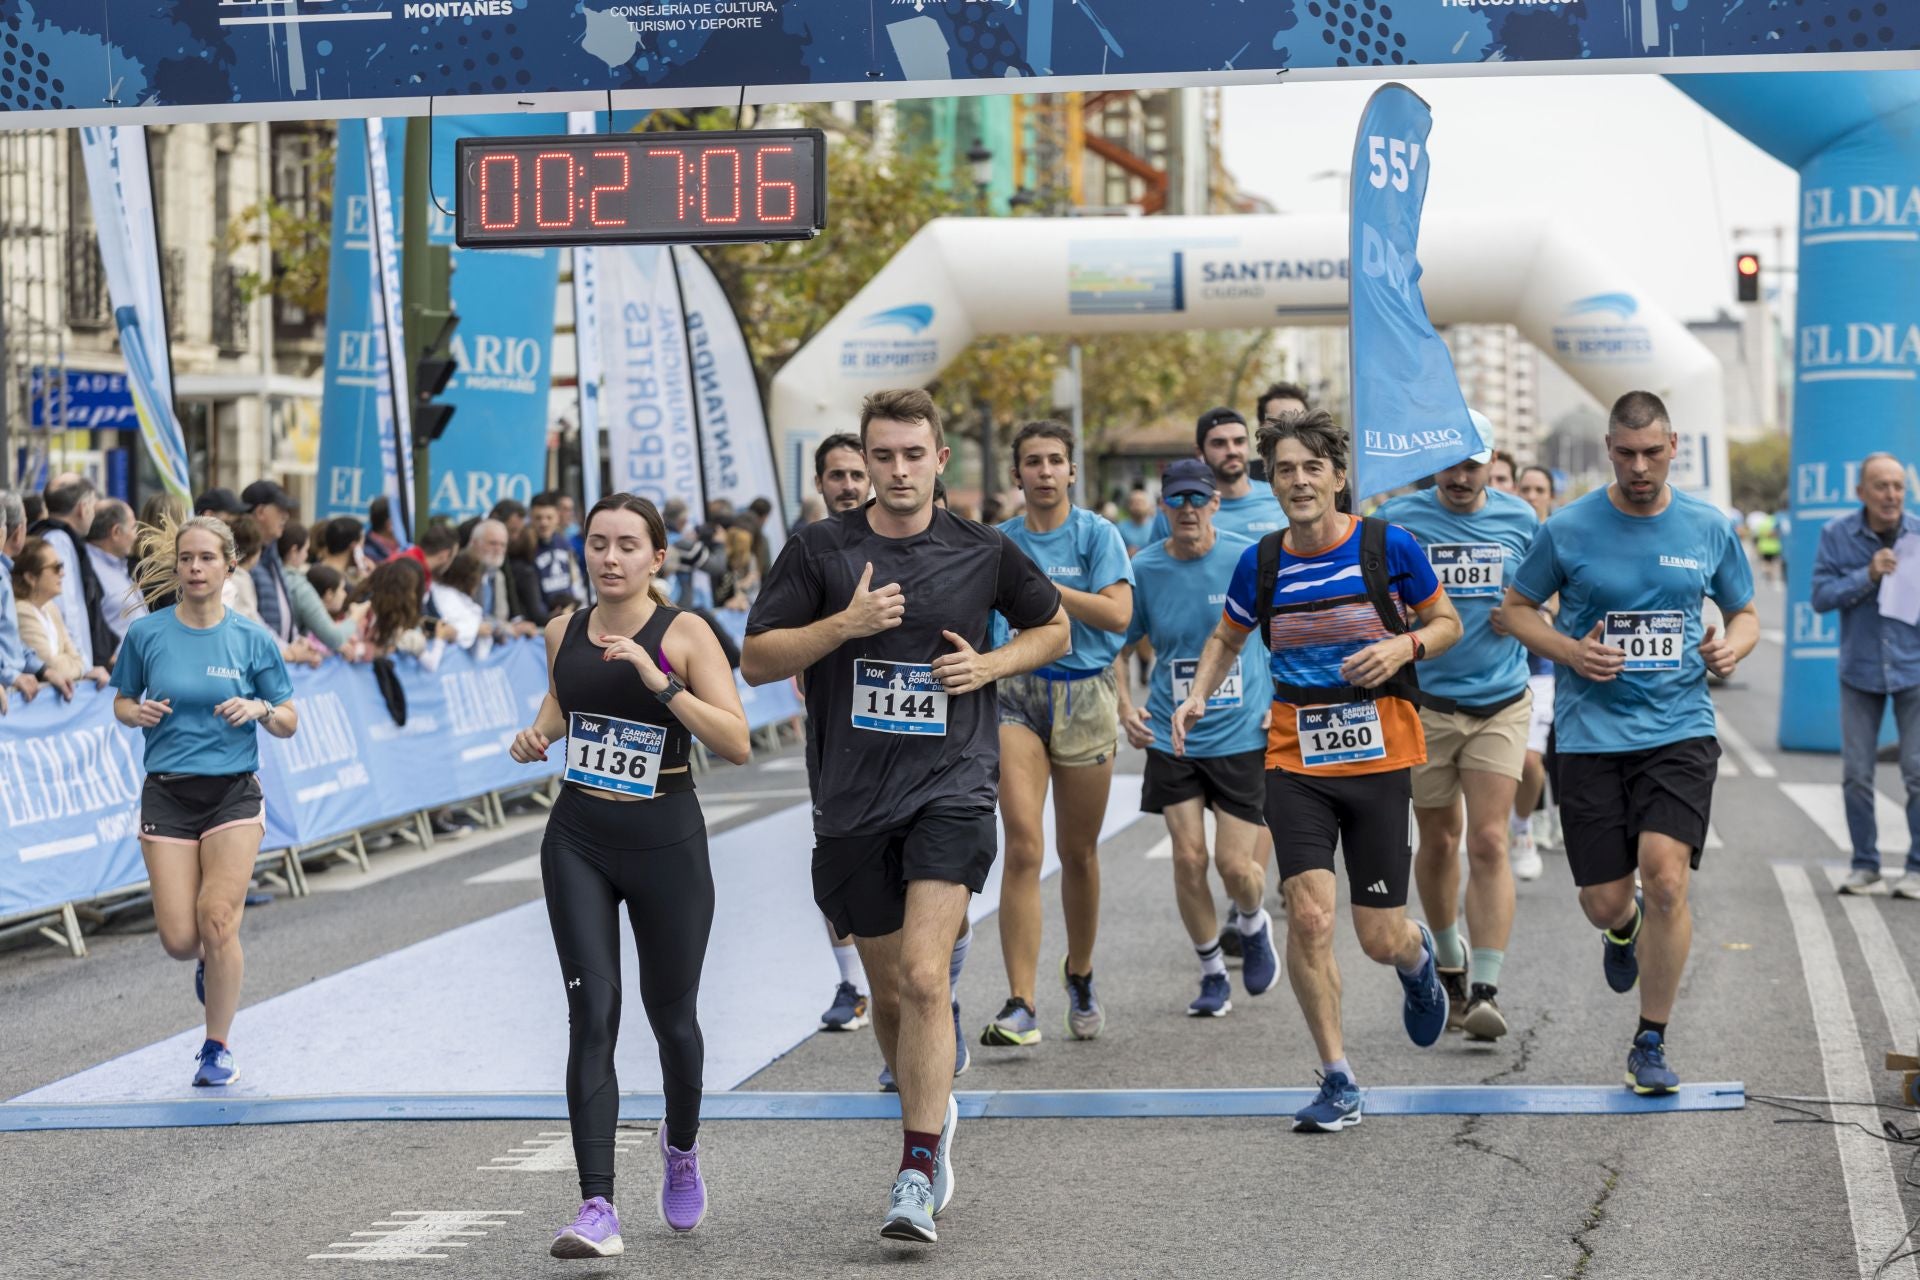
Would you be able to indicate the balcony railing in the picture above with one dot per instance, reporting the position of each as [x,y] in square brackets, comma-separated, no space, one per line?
[89,306]
[230,311]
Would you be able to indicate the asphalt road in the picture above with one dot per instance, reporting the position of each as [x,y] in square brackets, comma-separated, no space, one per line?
[1789,1005]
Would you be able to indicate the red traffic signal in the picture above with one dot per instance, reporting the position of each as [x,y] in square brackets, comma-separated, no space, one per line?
[1746,269]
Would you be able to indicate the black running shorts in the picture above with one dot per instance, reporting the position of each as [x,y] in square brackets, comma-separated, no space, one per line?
[1606,801]
[185,808]
[1365,814]
[1235,784]
[860,881]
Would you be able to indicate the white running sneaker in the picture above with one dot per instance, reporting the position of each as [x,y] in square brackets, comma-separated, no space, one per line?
[1907,886]
[1544,824]
[1526,858]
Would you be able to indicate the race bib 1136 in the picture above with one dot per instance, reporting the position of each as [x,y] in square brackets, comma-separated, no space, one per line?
[614,755]
[898,697]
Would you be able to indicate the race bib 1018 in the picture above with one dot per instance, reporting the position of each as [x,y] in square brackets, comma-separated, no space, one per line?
[898,697]
[614,755]
[1653,640]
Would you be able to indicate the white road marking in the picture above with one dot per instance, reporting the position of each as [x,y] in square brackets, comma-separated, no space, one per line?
[1728,769]
[1866,1165]
[1826,804]
[1754,763]
[1899,1001]
[1713,838]
[417,1233]
[552,1152]
[1162,849]
[1773,635]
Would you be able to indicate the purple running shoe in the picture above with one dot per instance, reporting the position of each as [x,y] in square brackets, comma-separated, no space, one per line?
[593,1233]
[683,1193]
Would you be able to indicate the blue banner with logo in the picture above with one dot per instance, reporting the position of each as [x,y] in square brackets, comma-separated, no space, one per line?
[1855,140]
[1409,418]
[80,400]
[205,59]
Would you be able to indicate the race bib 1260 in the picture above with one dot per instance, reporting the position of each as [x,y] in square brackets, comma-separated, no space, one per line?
[1227,695]
[1468,570]
[1340,733]
[898,697]
[614,755]
[1653,640]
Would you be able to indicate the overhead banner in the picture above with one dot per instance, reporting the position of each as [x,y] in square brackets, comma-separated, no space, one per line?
[735,448]
[225,59]
[586,345]
[1409,418]
[653,442]
[496,444]
[120,191]
[357,402]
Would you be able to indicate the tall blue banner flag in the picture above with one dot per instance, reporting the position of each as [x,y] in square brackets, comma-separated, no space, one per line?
[1409,418]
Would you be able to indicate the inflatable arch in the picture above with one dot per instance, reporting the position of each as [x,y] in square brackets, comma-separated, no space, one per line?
[961,278]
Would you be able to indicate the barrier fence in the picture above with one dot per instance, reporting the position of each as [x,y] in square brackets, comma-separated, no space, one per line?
[70,774]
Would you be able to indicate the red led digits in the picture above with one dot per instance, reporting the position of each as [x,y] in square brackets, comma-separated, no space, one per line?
[541,164]
[680,177]
[626,182]
[706,184]
[761,186]
[487,192]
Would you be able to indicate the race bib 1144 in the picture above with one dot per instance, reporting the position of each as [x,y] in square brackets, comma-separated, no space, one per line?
[898,697]
[1653,640]
[614,755]
[1340,733]
[1468,570]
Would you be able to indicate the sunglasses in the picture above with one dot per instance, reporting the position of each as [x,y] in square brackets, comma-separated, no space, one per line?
[1179,500]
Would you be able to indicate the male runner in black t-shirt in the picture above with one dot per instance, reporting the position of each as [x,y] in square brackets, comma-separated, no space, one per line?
[903,740]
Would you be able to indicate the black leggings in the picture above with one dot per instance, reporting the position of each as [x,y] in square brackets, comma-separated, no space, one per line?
[652,855]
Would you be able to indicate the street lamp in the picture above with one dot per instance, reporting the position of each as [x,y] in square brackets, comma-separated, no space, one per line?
[980,162]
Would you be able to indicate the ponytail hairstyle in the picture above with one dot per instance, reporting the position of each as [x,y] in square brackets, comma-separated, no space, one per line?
[656,530]
[158,549]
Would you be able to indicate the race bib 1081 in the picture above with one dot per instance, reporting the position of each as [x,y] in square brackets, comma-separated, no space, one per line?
[1468,570]
[614,755]
[1340,733]
[1653,640]
[898,697]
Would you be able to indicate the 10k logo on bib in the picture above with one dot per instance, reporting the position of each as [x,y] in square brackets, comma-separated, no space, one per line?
[614,755]
[898,697]
[1468,570]
[1653,639]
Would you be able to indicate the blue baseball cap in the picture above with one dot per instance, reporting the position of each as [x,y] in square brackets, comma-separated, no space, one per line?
[1188,475]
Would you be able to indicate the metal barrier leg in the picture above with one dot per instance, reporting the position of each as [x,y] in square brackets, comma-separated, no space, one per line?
[68,935]
[423,824]
[360,853]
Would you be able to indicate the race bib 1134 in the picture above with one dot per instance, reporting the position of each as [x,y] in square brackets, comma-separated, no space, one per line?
[1227,695]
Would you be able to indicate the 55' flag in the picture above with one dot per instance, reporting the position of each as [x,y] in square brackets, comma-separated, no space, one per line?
[1409,418]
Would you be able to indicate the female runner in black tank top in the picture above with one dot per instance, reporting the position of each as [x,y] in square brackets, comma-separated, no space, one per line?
[629,680]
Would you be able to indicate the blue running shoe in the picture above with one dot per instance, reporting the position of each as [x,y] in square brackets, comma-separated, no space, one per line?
[1425,1010]
[1335,1107]
[1015,1025]
[1647,1069]
[1620,956]
[1085,1018]
[962,1057]
[910,1209]
[848,1012]
[1215,997]
[1259,966]
[200,982]
[216,1065]
[886,1080]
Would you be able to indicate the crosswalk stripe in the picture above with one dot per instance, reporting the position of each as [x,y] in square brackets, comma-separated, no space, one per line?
[1899,1001]
[1728,769]
[1825,803]
[1754,763]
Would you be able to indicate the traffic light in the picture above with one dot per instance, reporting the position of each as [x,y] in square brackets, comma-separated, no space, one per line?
[1746,270]
[434,322]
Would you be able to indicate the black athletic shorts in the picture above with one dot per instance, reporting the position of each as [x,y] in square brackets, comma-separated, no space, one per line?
[860,882]
[1366,815]
[1235,784]
[185,808]
[1606,801]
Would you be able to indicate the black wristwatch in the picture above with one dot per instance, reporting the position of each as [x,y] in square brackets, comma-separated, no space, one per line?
[673,690]
[1419,650]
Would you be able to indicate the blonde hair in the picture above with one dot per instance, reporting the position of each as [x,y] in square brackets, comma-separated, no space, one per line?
[159,550]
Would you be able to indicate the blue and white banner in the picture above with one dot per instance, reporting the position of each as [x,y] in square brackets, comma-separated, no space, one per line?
[1409,418]
[80,400]
[356,409]
[735,446]
[120,191]
[206,59]
[586,346]
[653,440]
[383,247]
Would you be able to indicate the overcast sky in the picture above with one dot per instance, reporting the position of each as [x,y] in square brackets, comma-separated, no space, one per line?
[1650,179]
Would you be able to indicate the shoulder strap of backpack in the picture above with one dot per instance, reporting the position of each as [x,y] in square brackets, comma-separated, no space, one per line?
[1376,575]
[1264,583]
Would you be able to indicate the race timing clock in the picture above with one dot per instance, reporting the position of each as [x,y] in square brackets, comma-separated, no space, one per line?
[641,188]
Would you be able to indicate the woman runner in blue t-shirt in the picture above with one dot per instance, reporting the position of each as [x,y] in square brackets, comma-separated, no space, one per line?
[194,678]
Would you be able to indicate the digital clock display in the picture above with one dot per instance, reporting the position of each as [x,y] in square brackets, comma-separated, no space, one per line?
[641,188]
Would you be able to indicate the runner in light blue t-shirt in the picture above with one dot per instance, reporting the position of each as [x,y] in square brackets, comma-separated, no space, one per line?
[1635,722]
[196,678]
[1059,725]
[1223,441]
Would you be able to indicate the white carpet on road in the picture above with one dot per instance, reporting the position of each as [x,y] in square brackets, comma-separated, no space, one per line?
[480,1009]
